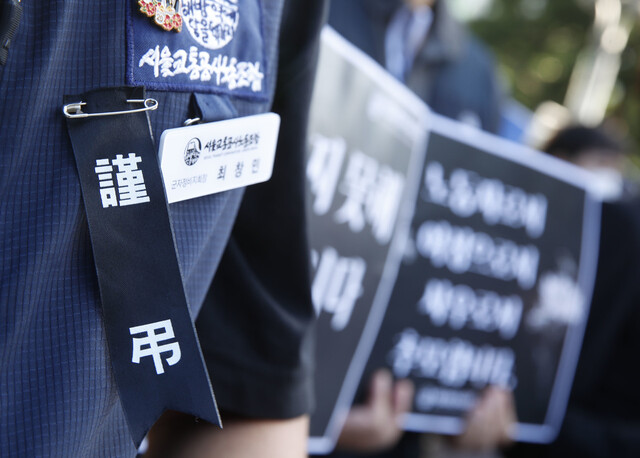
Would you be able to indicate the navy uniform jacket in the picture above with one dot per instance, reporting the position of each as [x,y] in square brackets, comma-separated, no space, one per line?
[57,393]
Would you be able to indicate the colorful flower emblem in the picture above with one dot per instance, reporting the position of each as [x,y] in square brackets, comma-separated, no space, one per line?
[164,16]
[148,7]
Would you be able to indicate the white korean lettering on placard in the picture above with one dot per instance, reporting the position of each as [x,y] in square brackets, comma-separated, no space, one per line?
[461,306]
[453,363]
[466,193]
[431,397]
[148,345]
[129,186]
[461,250]
[323,170]
[384,202]
[373,194]
[359,180]
[337,285]
[560,301]
[372,190]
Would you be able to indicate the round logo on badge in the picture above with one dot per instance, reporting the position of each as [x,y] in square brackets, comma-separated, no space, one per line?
[192,151]
[212,23]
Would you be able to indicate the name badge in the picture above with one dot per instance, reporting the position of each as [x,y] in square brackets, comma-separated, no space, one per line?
[214,157]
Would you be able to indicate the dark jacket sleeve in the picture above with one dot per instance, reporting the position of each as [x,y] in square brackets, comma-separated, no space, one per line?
[257,320]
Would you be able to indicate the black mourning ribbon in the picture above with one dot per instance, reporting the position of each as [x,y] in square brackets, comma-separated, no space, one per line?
[154,350]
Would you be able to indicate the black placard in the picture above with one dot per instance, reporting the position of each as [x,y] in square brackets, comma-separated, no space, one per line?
[361,187]
[486,280]
[495,285]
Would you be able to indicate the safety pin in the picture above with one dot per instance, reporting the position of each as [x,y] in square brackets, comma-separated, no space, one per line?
[74,110]
[191,122]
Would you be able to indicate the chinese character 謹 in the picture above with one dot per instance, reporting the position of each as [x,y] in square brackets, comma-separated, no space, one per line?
[130,187]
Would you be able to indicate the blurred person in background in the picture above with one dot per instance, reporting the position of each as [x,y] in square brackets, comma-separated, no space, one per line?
[603,413]
[597,151]
[422,45]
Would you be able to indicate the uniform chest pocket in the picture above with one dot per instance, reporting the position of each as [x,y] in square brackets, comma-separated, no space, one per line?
[210,46]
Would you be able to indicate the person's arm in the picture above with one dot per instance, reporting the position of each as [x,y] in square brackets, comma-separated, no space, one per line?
[178,435]
[245,437]
[256,323]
